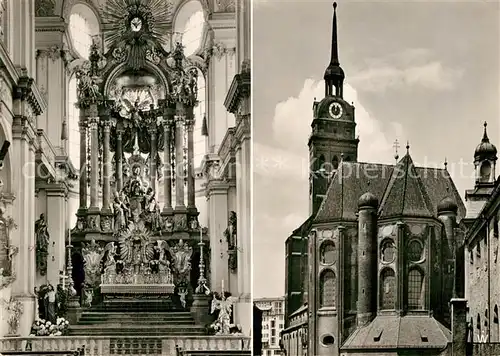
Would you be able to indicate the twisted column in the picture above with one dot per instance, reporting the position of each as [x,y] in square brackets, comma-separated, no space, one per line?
[190,163]
[168,167]
[118,159]
[106,168]
[83,159]
[179,163]
[152,159]
[94,161]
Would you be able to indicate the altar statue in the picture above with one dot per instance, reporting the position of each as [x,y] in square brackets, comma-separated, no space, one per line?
[110,262]
[182,261]
[42,244]
[50,304]
[120,211]
[153,210]
[136,186]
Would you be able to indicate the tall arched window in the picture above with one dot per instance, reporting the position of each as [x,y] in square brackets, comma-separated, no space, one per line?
[327,253]
[189,23]
[415,289]
[199,113]
[387,289]
[83,25]
[73,128]
[327,289]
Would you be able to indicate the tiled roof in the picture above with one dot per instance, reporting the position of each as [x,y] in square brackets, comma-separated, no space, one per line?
[401,189]
[400,332]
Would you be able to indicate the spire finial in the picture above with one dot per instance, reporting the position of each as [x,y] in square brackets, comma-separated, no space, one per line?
[335,50]
[446,163]
[408,147]
[396,147]
[485,134]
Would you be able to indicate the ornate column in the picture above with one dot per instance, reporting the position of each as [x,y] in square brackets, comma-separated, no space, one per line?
[106,168]
[190,163]
[168,166]
[94,211]
[152,158]
[56,223]
[118,158]
[83,159]
[179,163]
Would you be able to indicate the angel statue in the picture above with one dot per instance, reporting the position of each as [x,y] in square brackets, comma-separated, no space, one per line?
[110,262]
[163,263]
[182,261]
[225,307]
[120,212]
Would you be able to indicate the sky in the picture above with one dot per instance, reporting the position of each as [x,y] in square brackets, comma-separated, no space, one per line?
[421,72]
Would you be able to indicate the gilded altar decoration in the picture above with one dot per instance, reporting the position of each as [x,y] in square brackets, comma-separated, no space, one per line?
[138,27]
[42,245]
[232,242]
[14,309]
[92,255]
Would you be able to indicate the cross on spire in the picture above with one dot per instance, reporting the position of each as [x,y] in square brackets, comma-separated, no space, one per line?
[396,147]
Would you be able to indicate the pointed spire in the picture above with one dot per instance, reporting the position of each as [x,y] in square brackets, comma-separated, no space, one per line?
[485,134]
[334,60]
[334,74]
[204,126]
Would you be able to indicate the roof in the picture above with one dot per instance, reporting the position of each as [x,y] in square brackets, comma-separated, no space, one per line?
[402,189]
[400,332]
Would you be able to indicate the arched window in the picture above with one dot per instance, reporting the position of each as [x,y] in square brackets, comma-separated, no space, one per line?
[327,289]
[83,25]
[327,253]
[199,113]
[415,289]
[388,251]
[335,162]
[387,289]
[73,128]
[189,23]
[415,250]
[485,171]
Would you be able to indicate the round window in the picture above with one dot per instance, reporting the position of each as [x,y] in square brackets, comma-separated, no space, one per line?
[328,340]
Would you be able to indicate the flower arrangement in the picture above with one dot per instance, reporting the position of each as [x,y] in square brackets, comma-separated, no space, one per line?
[14,309]
[45,328]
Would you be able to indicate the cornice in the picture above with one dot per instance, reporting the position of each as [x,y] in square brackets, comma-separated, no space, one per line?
[8,67]
[222,20]
[50,24]
[26,89]
[239,89]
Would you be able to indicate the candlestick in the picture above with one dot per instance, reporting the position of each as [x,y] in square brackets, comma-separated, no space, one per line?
[201,234]
[202,281]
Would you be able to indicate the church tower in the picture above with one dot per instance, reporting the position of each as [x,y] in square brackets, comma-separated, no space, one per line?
[333,129]
[485,157]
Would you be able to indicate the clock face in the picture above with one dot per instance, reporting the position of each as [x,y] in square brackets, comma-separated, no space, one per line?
[335,110]
[136,24]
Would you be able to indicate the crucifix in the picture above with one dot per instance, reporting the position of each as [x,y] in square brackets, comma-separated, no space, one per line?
[396,147]
[63,277]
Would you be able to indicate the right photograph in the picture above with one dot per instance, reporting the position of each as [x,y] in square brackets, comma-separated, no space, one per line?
[376,198]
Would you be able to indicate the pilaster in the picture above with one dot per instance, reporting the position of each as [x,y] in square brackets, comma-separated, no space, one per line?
[221,70]
[23,39]
[56,225]
[217,196]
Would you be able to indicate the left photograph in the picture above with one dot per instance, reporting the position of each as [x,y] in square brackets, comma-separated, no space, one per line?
[125,131]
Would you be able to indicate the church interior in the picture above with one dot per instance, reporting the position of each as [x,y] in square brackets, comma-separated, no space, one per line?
[389,261]
[125,173]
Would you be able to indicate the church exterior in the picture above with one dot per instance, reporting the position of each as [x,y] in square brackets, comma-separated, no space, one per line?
[375,270]
[125,173]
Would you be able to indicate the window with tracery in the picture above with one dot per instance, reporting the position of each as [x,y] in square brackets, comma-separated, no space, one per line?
[415,289]
[327,253]
[327,289]
[387,289]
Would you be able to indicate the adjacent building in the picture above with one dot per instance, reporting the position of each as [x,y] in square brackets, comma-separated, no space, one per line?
[273,321]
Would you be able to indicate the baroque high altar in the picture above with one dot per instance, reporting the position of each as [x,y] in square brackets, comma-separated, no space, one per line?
[136,152]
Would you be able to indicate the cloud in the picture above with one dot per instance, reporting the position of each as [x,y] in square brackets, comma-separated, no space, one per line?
[281,176]
[411,68]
